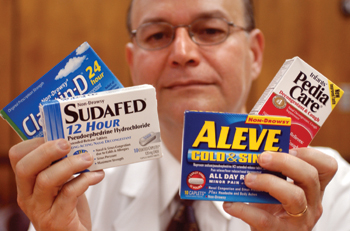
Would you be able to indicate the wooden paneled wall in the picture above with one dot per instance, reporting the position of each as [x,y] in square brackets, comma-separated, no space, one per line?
[35,35]
[5,67]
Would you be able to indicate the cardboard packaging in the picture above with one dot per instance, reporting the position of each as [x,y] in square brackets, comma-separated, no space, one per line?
[117,127]
[302,93]
[81,72]
[220,149]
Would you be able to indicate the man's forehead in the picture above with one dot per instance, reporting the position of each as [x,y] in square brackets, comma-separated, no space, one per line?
[185,11]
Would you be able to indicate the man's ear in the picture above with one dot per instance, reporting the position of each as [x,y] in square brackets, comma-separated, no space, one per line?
[257,45]
[129,53]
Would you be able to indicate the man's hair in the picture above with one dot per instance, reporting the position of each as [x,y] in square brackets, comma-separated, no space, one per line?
[248,15]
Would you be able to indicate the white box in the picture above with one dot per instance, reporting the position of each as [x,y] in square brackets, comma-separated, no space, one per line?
[302,93]
[117,127]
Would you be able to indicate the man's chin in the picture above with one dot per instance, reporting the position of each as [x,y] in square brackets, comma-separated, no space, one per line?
[175,110]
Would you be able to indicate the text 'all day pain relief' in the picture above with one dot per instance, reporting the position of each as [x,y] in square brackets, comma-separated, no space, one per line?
[117,127]
[302,93]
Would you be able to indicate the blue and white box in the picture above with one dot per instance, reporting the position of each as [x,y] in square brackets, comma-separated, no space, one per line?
[81,72]
[220,149]
[116,127]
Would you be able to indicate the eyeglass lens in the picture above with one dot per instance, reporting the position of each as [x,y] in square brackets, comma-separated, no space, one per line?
[204,31]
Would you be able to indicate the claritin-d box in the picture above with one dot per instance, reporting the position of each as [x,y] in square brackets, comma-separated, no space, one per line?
[81,72]
[302,93]
[220,149]
[117,127]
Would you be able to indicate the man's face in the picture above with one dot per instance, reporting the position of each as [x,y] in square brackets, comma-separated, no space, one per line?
[188,76]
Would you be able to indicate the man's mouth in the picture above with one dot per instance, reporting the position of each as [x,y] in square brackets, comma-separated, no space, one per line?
[187,84]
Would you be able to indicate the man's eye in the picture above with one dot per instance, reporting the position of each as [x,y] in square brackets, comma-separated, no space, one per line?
[211,31]
[157,36]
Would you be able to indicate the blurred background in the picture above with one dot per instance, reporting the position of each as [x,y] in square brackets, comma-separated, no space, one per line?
[37,34]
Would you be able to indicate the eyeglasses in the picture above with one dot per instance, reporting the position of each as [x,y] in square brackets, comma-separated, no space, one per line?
[203,31]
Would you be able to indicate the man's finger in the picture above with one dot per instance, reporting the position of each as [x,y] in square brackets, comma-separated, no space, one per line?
[291,196]
[18,151]
[326,165]
[35,162]
[255,217]
[71,191]
[302,173]
[50,181]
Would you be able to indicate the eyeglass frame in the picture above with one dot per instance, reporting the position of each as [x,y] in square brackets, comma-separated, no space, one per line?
[133,32]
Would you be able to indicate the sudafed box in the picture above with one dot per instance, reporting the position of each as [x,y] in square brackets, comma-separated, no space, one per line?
[117,127]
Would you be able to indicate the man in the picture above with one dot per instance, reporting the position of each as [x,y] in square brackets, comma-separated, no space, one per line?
[209,64]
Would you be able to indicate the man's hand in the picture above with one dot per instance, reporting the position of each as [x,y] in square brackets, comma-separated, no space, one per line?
[48,193]
[301,200]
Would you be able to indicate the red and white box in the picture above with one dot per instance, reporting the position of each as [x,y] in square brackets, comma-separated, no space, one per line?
[302,93]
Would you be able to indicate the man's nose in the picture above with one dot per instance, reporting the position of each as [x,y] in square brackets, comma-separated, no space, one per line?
[183,50]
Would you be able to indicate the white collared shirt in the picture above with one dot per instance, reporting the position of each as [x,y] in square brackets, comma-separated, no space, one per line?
[170,173]
[139,197]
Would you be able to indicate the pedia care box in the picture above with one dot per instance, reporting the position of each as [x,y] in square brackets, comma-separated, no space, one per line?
[79,73]
[220,149]
[117,127]
[302,93]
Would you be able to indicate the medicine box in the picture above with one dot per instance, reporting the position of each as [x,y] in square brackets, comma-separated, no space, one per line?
[220,149]
[302,93]
[81,72]
[117,127]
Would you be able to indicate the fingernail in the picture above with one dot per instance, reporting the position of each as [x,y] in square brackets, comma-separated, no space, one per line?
[265,157]
[86,156]
[293,152]
[99,173]
[250,178]
[62,144]
[227,205]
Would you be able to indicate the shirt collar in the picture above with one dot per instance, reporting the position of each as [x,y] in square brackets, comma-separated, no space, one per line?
[169,179]
[218,205]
